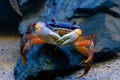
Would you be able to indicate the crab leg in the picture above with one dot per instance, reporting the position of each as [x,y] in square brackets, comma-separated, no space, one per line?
[81,47]
[81,44]
[32,41]
[42,34]
[74,38]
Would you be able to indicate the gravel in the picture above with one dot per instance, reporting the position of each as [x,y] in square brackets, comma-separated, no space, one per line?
[9,52]
[107,70]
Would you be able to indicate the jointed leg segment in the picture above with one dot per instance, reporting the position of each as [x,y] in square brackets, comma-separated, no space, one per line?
[28,40]
[85,45]
[81,47]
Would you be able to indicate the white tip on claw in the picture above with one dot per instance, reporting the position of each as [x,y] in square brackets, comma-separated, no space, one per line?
[54,35]
[67,42]
[64,37]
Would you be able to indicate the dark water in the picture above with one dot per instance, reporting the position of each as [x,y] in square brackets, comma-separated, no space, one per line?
[9,19]
[7,28]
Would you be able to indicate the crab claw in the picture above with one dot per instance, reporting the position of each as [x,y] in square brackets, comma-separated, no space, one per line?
[53,37]
[46,34]
[70,37]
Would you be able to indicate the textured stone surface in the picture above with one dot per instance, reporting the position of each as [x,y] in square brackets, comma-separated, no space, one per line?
[46,58]
[104,26]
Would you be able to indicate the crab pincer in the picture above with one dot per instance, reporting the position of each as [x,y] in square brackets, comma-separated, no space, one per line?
[42,34]
[81,43]
[70,37]
[43,31]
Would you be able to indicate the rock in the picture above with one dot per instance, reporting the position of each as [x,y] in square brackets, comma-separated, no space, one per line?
[46,58]
[103,8]
[40,58]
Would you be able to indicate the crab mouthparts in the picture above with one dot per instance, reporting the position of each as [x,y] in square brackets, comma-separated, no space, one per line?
[61,31]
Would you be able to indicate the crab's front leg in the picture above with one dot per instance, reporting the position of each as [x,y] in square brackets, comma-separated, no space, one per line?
[81,45]
[42,34]
[33,40]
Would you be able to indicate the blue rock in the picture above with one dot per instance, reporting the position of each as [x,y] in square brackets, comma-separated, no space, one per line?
[47,58]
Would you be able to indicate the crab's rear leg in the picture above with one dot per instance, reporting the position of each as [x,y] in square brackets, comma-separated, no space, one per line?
[25,37]
[31,41]
[81,45]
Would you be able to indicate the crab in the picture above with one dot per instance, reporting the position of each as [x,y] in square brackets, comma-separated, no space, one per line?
[60,35]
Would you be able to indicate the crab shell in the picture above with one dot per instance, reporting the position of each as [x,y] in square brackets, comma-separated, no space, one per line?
[62,28]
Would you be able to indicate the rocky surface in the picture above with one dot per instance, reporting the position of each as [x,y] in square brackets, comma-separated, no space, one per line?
[40,58]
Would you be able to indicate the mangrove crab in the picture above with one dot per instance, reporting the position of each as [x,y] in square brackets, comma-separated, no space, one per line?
[60,35]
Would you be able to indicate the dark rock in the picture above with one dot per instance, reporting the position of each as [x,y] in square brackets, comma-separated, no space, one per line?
[49,58]
[103,8]
[46,58]
[105,31]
